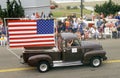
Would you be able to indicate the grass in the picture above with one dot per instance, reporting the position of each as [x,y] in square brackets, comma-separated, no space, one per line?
[65,12]
[62,11]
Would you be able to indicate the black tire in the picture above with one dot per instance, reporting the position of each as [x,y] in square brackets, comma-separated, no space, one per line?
[43,66]
[95,62]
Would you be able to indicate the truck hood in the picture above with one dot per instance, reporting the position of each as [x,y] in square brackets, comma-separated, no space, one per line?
[89,44]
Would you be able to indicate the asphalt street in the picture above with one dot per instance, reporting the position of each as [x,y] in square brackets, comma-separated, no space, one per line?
[10,66]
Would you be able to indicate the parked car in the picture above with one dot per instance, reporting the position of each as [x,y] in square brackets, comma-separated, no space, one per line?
[79,53]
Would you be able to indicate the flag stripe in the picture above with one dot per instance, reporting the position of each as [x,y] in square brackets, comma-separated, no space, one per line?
[21,34]
[13,24]
[14,21]
[30,39]
[15,30]
[32,43]
[36,45]
[20,39]
[18,32]
[22,27]
[32,36]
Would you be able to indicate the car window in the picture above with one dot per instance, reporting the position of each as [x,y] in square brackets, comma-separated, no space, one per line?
[75,42]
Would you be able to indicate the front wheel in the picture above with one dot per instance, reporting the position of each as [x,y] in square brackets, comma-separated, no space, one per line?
[95,62]
[43,66]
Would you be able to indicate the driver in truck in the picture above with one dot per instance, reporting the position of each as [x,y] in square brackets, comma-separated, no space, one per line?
[69,43]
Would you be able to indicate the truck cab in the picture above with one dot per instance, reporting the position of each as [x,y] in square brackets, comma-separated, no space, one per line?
[69,51]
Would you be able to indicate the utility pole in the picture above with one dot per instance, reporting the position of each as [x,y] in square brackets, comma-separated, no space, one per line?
[8,3]
[81,6]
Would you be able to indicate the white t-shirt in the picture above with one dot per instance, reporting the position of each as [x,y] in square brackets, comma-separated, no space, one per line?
[33,17]
[92,30]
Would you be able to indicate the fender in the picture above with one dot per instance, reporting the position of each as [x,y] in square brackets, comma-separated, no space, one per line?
[91,54]
[33,60]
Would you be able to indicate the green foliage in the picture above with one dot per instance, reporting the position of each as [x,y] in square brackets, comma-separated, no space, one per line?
[66,12]
[13,10]
[107,8]
[68,7]
[75,7]
[1,12]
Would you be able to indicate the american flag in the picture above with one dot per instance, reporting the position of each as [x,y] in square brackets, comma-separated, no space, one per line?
[30,33]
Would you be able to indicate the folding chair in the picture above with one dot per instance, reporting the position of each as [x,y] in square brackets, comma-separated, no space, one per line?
[107,32]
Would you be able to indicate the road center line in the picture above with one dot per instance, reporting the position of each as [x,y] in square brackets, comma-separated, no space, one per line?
[31,68]
[16,69]
[112,61]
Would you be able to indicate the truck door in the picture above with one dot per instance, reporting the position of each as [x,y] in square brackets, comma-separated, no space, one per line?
[73,52]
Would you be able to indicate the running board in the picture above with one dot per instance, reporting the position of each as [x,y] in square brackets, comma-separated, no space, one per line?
[61,63]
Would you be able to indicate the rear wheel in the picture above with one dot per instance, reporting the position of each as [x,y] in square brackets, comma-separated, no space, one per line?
[43,66]
[95,62]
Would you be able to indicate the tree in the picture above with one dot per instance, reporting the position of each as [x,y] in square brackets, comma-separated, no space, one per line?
[14,10]
[107,8]
[18,10]
[1,12]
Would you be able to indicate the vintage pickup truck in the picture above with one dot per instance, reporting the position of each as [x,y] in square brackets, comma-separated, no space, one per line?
[79,53]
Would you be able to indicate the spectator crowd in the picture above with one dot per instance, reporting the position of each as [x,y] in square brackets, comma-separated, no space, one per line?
[101,26]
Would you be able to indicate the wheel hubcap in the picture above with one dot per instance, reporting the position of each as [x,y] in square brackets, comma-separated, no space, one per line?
[43,67]
[96,62]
